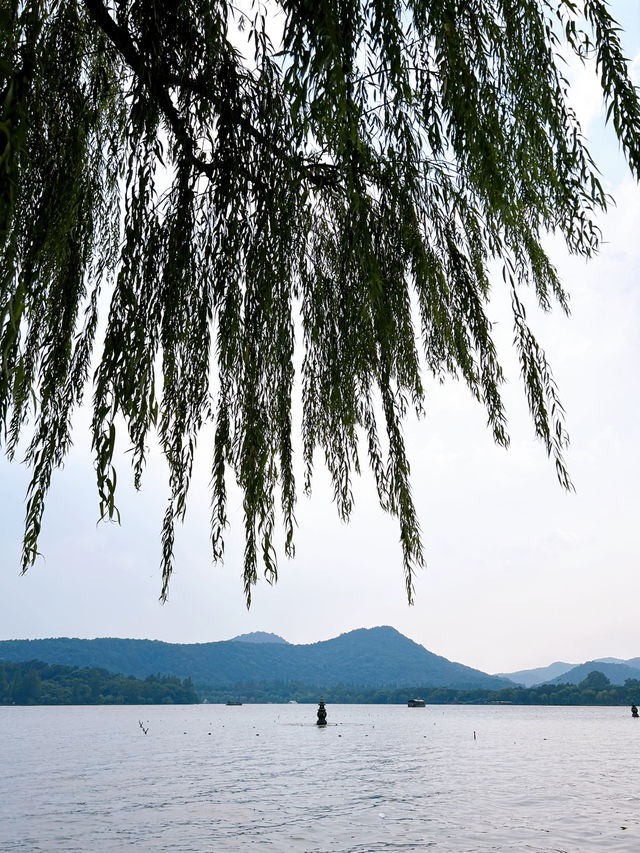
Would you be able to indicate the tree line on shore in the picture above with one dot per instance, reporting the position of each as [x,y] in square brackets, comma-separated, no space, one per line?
[596,689]
[37,683]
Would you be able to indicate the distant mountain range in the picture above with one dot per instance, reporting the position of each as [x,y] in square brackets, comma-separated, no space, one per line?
[540,675]
[616,670]
[375,657]
[617,673]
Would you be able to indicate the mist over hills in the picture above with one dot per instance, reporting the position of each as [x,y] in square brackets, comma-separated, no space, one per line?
[373,657]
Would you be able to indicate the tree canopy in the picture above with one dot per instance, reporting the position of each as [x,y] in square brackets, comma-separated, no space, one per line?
[304,196]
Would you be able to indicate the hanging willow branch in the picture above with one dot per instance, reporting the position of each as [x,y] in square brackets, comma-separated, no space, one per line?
[362,167]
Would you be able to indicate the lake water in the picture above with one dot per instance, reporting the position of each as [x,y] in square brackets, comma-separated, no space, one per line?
[217,779]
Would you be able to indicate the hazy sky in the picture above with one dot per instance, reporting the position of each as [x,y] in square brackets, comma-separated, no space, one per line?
[519,573]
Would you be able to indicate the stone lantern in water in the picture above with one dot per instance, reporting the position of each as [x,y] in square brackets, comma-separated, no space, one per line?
[322,714]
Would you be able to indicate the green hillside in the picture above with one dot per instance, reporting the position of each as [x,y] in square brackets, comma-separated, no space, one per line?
[376,657]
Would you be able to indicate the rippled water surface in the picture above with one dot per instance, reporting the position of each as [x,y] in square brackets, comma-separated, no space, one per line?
[265,778]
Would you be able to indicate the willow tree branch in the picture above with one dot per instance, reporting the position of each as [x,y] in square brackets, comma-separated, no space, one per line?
[319,174]
[123,42]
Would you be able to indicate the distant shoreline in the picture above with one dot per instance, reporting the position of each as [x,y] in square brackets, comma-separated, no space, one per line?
[36,683]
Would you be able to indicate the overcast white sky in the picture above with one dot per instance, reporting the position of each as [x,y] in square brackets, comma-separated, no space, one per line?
[519,573]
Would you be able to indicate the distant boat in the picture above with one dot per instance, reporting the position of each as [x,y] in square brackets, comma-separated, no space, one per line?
[234,703]
[293,702]
[415,703]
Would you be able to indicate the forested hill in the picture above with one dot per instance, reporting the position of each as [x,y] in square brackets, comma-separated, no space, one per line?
[258,637]
[375,657]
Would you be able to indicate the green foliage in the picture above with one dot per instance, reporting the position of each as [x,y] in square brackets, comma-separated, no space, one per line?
[37,683]
[353,178]
[596,680]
